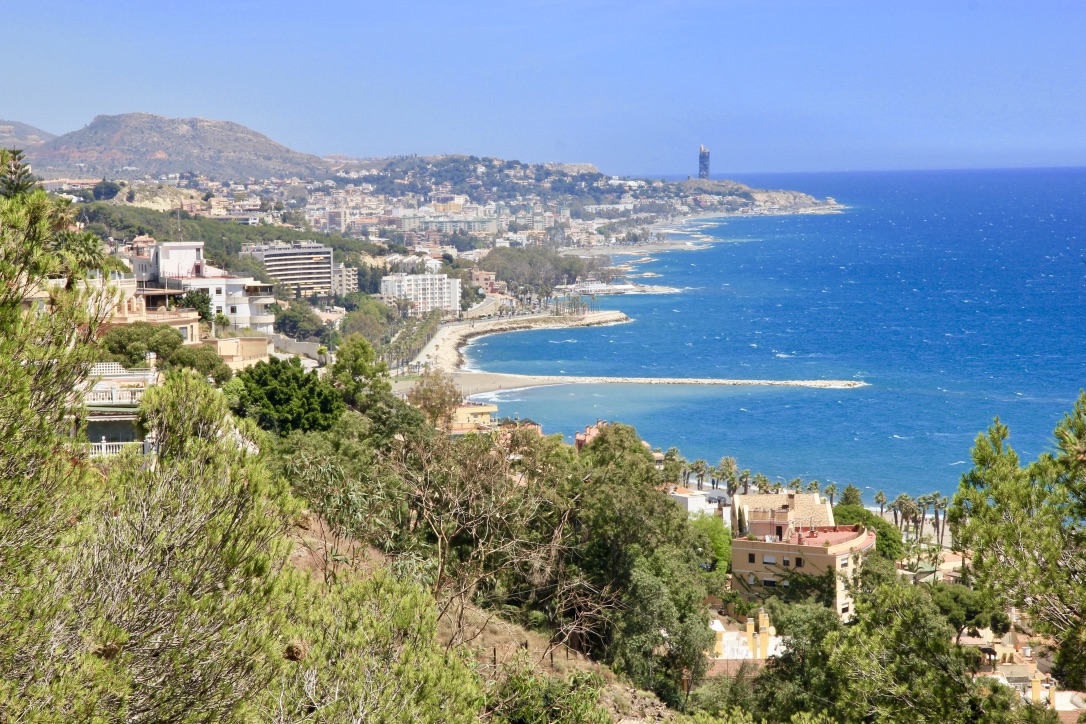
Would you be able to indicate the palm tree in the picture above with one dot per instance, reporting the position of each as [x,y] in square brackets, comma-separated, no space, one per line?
[933,503]
[900,508]
[699,468]
[910,512]
[923,502]
[795,484]
[813,487]
[880,500]
[744,480]
[761,483]
[729,473]
[830,490]
[941,504]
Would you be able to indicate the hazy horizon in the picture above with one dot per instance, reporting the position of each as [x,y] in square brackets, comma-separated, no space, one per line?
[632,87]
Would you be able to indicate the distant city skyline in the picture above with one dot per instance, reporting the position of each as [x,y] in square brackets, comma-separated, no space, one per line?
[633,87]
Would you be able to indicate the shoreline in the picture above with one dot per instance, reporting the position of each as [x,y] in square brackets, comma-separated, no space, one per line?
[444,352]
[692,239]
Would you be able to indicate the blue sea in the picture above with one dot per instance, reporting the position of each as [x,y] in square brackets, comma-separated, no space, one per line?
[958,296]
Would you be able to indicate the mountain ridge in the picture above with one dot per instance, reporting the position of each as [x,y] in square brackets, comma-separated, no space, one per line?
[133,145]
[14,134]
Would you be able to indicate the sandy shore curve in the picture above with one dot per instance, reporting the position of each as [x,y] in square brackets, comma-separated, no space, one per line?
[444,352]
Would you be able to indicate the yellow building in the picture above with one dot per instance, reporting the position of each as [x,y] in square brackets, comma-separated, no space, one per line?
[471,417]
[781,536]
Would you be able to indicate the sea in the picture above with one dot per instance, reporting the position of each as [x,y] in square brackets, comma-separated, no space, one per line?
[958,296]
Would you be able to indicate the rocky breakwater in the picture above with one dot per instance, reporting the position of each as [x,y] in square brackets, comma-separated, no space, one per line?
[444,352]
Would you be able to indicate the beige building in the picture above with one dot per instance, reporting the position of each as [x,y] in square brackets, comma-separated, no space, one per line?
[471,417]
[790,509]
[344,280]
[788,534]
[241,352]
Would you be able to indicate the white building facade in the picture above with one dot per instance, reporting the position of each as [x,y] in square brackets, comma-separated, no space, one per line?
[426,291]
[180,266]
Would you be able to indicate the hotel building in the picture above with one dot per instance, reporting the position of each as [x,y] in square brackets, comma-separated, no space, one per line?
[303,266]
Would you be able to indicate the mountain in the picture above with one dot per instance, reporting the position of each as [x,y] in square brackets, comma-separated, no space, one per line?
[19,135]
[134,145]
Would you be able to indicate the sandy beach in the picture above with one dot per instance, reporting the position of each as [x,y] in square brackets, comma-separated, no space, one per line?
[443,352]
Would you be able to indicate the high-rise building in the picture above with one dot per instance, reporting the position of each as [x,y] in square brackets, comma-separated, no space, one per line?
[703,162]
[303,266]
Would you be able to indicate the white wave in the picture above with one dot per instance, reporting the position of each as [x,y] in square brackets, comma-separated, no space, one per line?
[782,355]
[959,462]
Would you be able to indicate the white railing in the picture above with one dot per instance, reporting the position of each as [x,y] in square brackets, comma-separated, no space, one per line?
[115,396]
[107,449]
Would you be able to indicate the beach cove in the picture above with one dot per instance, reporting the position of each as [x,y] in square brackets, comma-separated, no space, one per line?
[445,352]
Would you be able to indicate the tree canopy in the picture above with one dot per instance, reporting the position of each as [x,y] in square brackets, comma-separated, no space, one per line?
[1024,528]
[281,397]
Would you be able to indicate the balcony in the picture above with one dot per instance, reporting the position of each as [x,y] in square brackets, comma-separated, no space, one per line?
[108,449]
[261,319]
[172,315]
[115,396]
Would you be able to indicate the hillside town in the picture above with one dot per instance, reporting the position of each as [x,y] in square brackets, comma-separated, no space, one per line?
[321,349]
[420,201]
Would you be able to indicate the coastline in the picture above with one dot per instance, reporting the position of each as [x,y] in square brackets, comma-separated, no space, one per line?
[444,352]
[690,238]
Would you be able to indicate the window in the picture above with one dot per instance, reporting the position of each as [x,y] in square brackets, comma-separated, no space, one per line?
[799,562]
[769,560]
[844,609]
[785,562]
[750,558]
[233,310]
[769,583]
[844,562]
[218,290]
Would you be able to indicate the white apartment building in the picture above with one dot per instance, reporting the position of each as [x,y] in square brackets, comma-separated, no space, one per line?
[304,266]
[178,266]
[427,291]
[242,300]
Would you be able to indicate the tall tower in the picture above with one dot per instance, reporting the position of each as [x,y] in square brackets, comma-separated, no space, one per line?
[703,162]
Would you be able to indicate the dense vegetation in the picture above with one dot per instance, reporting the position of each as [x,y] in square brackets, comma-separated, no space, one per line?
[537,270]
[129,345]
[307,549]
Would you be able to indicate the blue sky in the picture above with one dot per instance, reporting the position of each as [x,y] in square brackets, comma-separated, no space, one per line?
[632,86]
